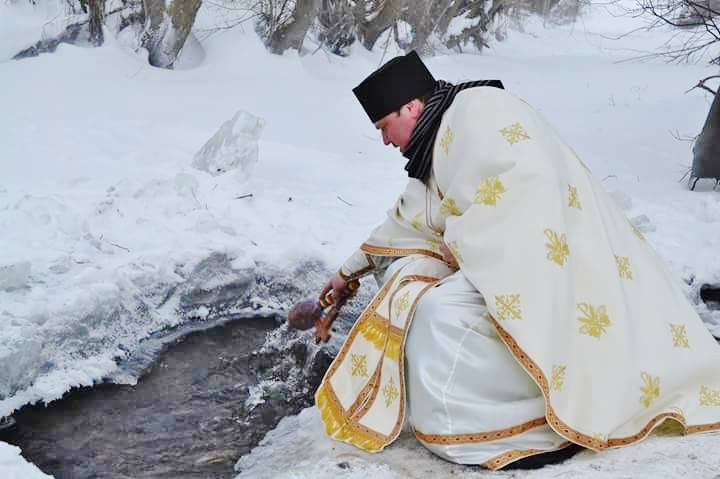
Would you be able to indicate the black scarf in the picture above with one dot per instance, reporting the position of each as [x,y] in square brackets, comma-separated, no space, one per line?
[420,148]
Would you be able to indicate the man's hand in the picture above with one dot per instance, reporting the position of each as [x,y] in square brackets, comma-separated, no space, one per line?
[448,256]
[339,288]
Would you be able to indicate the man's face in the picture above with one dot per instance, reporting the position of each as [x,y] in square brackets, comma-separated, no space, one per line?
[396,128]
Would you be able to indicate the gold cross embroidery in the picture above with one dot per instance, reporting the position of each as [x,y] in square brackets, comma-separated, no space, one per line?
[623,265]
[359,365]
[709,397]
[650,389]
[574,201]
[508,306]
[489,191]
[514,133]
[558,377]
[390,392]
[679,334]
[402,303]
[558,250]
[446,140]
[450,207]
[594,320]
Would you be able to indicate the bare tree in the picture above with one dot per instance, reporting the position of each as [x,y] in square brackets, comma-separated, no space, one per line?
[291,33]
[376,17]
[167,26]
[696,27]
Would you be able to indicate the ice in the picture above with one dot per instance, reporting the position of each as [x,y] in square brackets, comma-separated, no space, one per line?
[234,146]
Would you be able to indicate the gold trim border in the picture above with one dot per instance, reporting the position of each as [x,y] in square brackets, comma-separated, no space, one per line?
[472,438]
[340,427]
[563,429]
[385,251]
[345,425]
[502,460]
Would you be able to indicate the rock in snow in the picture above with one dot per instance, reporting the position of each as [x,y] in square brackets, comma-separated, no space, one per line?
[234,146]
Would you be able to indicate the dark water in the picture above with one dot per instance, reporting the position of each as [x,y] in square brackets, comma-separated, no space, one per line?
[186,417]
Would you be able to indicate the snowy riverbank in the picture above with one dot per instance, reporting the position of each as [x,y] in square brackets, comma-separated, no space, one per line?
[111,237]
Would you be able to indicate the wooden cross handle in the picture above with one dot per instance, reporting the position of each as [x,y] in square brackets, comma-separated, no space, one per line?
[324,325]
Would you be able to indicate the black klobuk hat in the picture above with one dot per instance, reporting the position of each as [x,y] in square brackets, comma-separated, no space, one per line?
[394,84]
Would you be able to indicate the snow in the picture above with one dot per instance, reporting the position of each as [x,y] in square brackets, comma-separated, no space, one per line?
[13,466]
[105,220]
[299,449]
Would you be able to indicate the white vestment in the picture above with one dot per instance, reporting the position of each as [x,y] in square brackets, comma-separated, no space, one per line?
[561,318]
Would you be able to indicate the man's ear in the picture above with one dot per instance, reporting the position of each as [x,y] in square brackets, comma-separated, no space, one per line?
[416,107]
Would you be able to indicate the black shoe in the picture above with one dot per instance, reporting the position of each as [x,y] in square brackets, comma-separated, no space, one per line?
[7,424]
[545,459]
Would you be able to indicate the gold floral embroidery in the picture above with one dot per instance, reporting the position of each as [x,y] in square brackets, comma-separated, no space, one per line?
[450,207]
[417,221]
[558,250]
[709,397]
[594,320]
[623,265]
[402,303]
[679,334]
[390,392]
[514,133]
[508,306]
[455,250]
[574,201]
[359,365]
[447,139]
[650,389]
[489,191]
[558,377]
[637,232]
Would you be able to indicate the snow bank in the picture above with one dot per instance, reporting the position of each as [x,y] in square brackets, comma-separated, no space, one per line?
[13,466]
[111,237]
[299,449]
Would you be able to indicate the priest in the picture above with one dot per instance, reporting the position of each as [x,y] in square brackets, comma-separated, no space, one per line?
[520,315]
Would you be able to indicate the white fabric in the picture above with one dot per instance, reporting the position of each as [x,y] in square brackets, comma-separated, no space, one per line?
[579,297]
[462,379]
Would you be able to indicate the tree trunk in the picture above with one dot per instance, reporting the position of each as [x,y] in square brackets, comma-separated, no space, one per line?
[95,16]
[446,17]
[292,34]
[706,152]
[371,30]
[167,28]
[423,18]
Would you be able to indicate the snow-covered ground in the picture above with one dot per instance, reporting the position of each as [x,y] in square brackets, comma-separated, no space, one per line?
[299,449]
[13,466]
[103,217]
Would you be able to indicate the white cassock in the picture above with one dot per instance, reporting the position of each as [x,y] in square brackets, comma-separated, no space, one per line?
[562,325]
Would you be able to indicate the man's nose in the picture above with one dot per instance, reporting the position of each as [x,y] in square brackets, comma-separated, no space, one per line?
[386,140]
